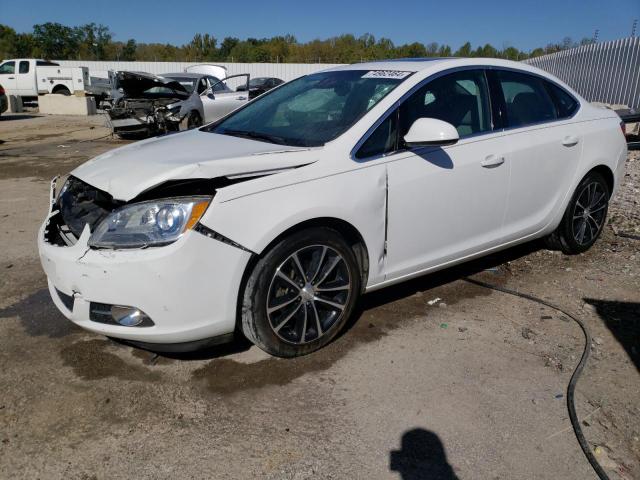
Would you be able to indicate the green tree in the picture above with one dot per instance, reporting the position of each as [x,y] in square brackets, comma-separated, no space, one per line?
[7,41]
[464,50]
[54,41]
[444,51]
[226,46]
[128,52]
[511,53]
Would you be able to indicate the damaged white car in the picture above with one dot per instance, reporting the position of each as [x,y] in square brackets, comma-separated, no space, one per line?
[273,221]
[149,105]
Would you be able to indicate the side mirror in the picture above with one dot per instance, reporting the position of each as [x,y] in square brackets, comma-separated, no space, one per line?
[208,93]
[431,132]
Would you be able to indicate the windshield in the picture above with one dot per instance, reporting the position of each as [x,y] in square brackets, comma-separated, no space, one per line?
[311,110]
[188,83]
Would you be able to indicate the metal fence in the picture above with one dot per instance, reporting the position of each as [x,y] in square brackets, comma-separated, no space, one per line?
[607,72]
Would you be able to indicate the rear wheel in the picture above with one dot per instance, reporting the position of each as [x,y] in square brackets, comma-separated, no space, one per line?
[301,293]
[61,91]
[584,218]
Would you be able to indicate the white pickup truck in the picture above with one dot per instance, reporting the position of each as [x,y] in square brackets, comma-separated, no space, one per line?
[30,77]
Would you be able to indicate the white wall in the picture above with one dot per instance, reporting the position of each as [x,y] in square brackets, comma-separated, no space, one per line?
[285,71]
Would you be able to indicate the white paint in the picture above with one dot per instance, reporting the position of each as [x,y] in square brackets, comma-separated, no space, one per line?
[445,205]
[35,80]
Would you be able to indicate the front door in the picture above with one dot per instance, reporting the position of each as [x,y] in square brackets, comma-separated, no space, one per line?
[8,77]
[220,99]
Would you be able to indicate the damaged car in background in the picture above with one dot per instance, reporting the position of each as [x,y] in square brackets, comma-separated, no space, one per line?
[271,222]
[150,105]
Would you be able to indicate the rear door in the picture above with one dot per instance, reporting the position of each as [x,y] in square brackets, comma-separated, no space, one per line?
[543,145]
[26,78]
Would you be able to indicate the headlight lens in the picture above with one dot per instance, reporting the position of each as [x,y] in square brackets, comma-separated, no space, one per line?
[147,224]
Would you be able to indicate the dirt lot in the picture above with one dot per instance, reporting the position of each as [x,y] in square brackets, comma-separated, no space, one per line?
[471,386]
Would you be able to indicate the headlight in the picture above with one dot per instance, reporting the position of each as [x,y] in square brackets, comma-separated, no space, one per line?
[146,224]
[173,112]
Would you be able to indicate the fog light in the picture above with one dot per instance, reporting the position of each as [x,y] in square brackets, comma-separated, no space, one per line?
[119,315]
[127,316]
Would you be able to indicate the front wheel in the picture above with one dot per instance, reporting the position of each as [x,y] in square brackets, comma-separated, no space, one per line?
[584,217]
[301,293]
[194,120]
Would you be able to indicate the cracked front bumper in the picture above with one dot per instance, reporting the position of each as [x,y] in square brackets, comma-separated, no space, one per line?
[189,288]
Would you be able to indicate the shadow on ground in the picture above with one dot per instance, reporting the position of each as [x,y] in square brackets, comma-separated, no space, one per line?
[421,457]
[9,117]
[39,316]
[623,320]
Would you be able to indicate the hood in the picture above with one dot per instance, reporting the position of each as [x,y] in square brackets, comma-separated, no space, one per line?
[134,84]
[130,170]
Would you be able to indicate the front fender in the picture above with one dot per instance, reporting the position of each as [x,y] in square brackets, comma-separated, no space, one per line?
[356,197]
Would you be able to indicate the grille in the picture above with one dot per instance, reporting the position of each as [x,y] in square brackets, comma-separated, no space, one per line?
[82,204]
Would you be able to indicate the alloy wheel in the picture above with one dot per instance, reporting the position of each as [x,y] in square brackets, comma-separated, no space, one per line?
[589,213]
[308,294]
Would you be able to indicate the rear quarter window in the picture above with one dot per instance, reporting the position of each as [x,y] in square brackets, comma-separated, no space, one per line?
[565,104]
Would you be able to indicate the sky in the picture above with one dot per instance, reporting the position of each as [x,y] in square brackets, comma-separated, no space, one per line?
[522,24]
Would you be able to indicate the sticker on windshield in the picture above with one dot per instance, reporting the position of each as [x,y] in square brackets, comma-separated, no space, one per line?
[397,74]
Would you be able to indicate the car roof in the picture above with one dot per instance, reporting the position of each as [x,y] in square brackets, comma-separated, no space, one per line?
[434,63]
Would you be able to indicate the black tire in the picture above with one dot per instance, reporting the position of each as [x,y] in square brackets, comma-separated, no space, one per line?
[61,91]
[584,218]
[194,120]
[300,320]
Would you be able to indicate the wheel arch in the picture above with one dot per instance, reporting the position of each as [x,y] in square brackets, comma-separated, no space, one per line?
[60,88]
[350,233]
[606,172]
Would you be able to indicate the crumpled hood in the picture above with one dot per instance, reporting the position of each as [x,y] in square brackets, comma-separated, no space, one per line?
[134,84]
[130,170]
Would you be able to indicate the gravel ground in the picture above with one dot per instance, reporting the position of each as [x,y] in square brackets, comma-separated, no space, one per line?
[468,386]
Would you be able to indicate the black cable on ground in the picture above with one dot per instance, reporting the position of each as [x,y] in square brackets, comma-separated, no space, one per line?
[574,377]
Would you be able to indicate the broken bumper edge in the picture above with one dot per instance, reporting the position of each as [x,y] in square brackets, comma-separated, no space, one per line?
[189,288]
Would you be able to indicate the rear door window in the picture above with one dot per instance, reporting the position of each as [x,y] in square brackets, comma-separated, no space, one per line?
[24,67]
[526,99]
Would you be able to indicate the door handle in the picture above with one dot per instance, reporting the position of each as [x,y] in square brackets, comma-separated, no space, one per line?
[241,98]
[492,161]
[570,141]
[11,78]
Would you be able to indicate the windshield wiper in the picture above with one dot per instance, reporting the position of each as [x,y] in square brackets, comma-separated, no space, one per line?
[256,136]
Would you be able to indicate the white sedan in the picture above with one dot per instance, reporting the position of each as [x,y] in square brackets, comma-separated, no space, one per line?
[276,218]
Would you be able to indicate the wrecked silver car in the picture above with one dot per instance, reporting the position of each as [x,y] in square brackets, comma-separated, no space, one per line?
[151,105]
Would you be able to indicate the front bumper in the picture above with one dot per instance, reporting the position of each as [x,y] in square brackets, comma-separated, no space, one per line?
[189,289]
